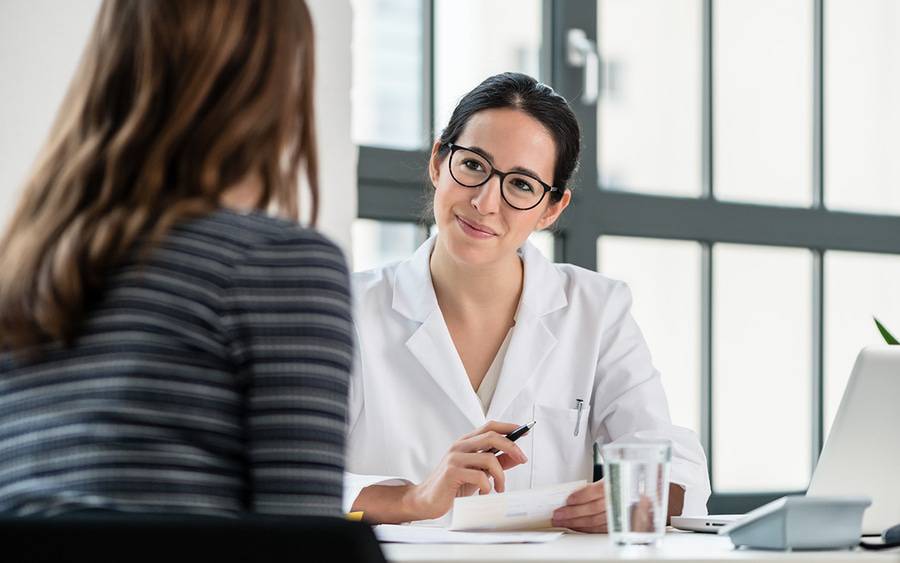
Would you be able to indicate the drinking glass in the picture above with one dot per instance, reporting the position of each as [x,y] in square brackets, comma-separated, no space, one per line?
[636,477]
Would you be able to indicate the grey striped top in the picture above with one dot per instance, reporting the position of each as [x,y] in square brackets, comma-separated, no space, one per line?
[211,378]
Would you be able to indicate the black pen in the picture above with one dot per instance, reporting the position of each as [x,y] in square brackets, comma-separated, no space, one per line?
[516,434]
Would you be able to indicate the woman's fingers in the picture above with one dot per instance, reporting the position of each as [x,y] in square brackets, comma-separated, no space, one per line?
[588,493]
[508,462]
[491,440]
[476,478]
[487,463]
[492,425]
[578,511]
[594,523]
[585,510]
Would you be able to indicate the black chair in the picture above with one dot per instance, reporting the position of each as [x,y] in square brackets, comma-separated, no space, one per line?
[107,537]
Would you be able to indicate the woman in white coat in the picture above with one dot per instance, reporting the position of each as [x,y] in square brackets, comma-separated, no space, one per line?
[477,327]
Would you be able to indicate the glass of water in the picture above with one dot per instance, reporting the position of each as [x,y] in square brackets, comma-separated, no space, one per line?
[636,477]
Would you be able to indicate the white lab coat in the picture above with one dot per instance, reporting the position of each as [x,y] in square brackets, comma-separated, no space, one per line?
[574,338]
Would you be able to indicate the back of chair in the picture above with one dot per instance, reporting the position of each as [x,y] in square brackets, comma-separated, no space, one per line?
[106,537]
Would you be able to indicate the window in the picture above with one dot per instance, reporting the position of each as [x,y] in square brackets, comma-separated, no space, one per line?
[762,101]
[388,99]
[762,356]
[474,39]
[650,99]
[736,171]
[858,288]
[376,243]
[862,81]
[659,308]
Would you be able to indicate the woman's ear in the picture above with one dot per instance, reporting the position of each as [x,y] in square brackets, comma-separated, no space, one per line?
[434,163]
[553,211]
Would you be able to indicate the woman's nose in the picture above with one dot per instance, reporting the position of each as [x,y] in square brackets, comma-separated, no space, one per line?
[487,197]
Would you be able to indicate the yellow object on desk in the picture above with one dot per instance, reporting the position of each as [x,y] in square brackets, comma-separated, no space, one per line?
[355,516]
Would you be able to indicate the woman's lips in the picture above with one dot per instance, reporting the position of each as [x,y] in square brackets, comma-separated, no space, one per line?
[472,230]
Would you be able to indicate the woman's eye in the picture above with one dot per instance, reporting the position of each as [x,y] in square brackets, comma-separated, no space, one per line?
[522,185]
[473,165]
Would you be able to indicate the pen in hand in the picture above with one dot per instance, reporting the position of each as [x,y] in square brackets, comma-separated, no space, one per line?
[515,435]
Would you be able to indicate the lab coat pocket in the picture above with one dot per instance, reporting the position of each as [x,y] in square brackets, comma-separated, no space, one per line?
[563,450]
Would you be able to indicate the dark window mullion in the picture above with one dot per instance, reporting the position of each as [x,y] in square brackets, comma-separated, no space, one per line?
[818,379]
[548,51]
[818,159]
[579,225]
[706,158]
[427,73]
[818,324]
[706,282]
[706,357]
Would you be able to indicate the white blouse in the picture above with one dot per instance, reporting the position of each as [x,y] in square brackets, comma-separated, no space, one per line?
[489,383]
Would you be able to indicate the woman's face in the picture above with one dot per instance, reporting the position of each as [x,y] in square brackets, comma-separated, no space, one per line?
[476,225]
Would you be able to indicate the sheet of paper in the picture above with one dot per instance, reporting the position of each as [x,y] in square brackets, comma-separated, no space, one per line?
[392,533]
[514,510]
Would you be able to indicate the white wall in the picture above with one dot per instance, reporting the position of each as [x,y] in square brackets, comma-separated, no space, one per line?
[41,42]
[40,45]
[337,154]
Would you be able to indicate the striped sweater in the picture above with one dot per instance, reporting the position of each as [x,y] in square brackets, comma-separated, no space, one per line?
[211,378]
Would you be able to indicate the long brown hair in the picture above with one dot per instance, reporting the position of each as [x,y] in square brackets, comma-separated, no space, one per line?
[173,102]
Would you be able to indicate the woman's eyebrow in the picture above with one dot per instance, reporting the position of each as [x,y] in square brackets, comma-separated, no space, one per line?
[490,157]
[482,152]
[524,170]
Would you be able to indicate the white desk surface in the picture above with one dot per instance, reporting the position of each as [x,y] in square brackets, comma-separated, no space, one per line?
[676,546]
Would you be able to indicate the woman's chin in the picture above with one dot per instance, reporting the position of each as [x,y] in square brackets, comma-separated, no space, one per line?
[472,252]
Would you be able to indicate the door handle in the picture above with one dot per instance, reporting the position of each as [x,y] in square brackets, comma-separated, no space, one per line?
[581,52]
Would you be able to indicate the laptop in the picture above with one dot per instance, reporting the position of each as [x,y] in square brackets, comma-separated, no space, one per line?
[862,454]
[704,524]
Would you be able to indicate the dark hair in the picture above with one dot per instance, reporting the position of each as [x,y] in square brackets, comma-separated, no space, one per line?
[520,91]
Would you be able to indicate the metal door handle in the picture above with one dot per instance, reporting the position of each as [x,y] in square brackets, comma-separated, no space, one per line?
[582,52]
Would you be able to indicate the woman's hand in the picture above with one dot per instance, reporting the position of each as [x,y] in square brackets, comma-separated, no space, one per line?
[468,466]
[585,510]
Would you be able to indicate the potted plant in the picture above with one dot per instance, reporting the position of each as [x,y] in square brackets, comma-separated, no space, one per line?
[888,337]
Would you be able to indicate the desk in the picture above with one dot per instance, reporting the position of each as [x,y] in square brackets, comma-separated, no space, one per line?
[676,546]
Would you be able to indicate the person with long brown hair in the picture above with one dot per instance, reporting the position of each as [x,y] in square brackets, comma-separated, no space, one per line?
[166,345]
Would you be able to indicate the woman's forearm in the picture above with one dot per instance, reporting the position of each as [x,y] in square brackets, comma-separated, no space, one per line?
[386,504]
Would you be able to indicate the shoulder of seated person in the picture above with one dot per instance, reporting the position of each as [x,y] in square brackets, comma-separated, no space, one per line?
[258,228]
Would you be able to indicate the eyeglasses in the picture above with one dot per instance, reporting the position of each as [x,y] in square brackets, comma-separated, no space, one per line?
[520,190]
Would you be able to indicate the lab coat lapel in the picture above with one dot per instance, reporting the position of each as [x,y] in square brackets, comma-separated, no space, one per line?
[531,341]
[432,346]
[431,343]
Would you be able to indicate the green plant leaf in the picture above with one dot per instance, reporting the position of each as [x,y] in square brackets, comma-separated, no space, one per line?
[888,337]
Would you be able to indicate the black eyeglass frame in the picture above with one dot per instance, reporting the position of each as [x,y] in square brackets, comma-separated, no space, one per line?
[502,175]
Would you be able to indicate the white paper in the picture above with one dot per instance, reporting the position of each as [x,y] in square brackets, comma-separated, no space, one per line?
[427,534]
[514,510]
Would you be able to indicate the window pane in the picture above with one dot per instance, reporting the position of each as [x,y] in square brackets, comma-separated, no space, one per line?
[857,287]
[377,243]
[664,277]
[762,100]
[387,73]
[649,112]
[862,86]
[762,369]
[475,39]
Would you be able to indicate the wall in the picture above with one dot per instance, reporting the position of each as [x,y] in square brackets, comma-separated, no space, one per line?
[40,45]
